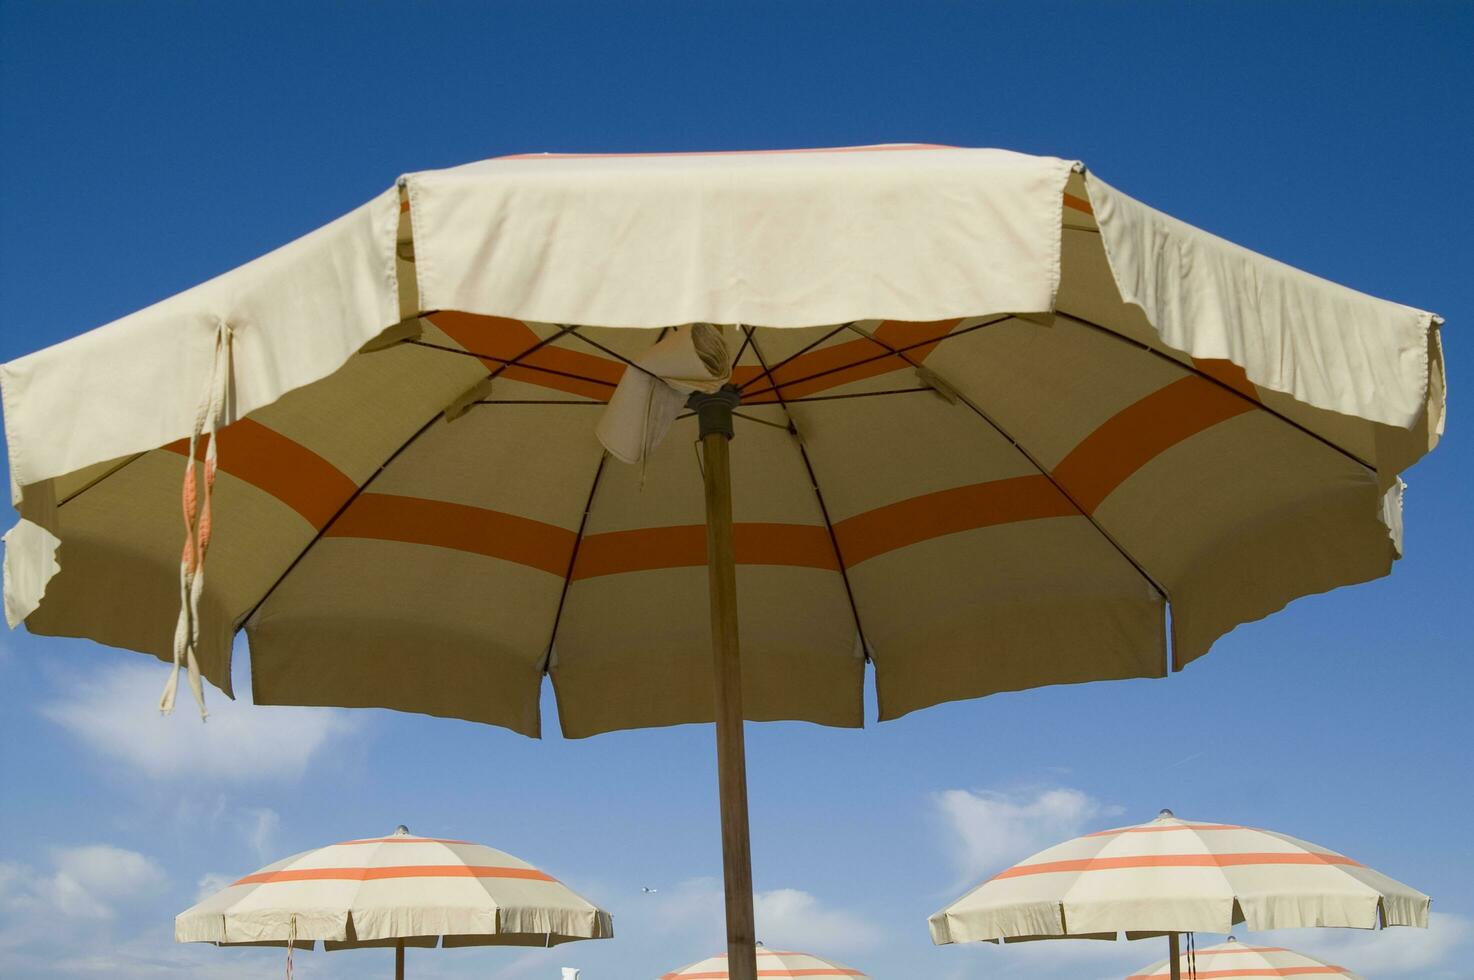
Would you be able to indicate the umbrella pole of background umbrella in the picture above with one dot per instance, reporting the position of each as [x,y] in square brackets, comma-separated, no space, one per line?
[399,960]
[1174,956]
[715,413]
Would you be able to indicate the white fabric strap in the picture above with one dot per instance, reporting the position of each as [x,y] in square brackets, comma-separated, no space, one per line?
[197,525]
[689,358]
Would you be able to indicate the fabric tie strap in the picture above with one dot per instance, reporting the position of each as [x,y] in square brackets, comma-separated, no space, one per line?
[688,358]
[196,495]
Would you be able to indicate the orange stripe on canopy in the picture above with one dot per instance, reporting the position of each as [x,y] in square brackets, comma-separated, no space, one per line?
[398,871]
[934,515]
[1103,460]
[286,469]
[683,546]
[847,362]
[1140,432]
[1078,203]
[1248,858]
[507,340]
[415,520]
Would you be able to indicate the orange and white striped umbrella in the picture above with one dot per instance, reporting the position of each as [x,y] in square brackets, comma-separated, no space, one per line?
[996,415]
[400,890]
[1242,961]
[1173,876]
[770,963]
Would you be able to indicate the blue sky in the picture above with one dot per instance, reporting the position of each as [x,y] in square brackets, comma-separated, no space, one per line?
[145,147]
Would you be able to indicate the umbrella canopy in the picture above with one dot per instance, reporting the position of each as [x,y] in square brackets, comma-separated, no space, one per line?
[400,890]
[1244,962]
[1173,876]
[770,963]
[976,501]
[995,416]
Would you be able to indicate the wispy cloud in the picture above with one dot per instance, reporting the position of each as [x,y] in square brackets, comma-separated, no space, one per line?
[112,712]
[988,829]
[786,917]
[83,886]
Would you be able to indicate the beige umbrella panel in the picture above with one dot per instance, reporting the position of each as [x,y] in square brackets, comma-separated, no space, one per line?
[995,416]
[770,963]
[1172,876]
[1243,961]
[397,891]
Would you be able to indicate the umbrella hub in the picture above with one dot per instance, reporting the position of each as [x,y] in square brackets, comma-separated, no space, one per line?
[714,409]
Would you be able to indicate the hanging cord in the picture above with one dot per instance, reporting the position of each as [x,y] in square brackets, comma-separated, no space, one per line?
[1192,957]
[196,496]
[291,941]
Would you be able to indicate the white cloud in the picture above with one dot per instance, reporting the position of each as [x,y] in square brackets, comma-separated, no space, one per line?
[786,918]
[989,830]
[1388,952]
[212,882]
[114,712]
[260,827]
[85,883]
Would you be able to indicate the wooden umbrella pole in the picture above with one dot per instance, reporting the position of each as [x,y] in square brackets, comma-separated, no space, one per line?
[1174,956]
[399,960]
[715,413]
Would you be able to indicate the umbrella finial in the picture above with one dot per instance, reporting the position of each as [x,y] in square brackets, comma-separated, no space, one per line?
[1166,815]
[401,831]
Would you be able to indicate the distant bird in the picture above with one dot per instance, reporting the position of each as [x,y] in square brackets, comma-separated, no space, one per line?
[649,891]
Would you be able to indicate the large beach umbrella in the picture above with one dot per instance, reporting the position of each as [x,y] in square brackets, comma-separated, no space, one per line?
[770,963]
[397,891]
[1244,962]
[993,417]
[1173,876]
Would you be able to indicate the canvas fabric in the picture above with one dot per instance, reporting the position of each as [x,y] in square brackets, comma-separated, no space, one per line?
[997,419]
[1243,961]
[378,891]
[1173,875]
[770,963]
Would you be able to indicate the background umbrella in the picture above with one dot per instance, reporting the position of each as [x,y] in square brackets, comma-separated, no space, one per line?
[995,417]
[398,891]
[770,963]
[1244,962]
[1173,876]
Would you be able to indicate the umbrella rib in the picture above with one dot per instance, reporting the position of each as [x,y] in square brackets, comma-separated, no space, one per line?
[819,496]
[503,365]
[747,342]
[767,372]
[858,394]
[583,523]
[614,354]
[889,351]
[539,401]
[1193,369]
[1043,470]
[92,483]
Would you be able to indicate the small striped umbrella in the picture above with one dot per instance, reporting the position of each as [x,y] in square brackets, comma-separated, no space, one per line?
[770,963]
[1171,876]
[395,891]
[1244,962]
